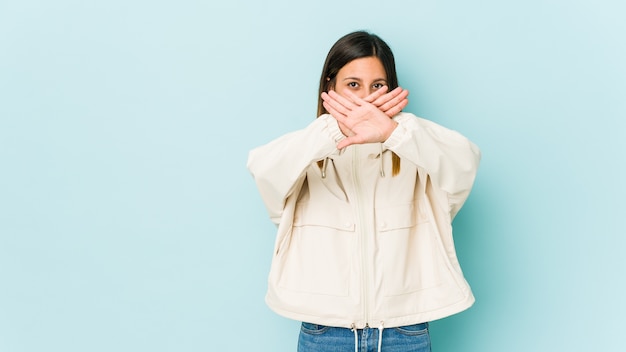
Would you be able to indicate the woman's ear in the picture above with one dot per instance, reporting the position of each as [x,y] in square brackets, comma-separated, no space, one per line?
[330,84]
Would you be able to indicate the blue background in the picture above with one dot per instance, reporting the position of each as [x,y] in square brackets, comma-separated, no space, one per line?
[128,221]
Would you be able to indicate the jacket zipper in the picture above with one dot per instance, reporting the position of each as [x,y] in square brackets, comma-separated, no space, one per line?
[363,235]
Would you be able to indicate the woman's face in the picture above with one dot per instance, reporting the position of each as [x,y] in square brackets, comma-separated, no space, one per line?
[361,76]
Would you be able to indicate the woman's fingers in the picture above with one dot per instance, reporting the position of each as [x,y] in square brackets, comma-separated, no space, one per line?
[396,97]
[377,94]
[390,103]
[331,110]
[394,110]
[384,98]
[342,100]
[341,117]
[331,103]
[354,99]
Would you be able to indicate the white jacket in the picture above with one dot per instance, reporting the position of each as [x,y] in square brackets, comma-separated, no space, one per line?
[357,246]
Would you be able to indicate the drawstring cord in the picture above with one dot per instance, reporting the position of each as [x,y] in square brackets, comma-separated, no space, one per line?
[382,166]
[381,327]
[324,164]
[356,338]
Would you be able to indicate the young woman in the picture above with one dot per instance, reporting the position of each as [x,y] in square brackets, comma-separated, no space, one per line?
[364,197]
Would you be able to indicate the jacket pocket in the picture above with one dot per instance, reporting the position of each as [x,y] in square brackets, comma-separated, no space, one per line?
[398,217]
[318,259]
[409,255]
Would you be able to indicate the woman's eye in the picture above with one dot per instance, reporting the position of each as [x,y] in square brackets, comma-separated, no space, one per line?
[353,84]
[378,85]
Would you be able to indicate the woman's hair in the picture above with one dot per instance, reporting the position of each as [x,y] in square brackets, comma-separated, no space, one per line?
[353,46]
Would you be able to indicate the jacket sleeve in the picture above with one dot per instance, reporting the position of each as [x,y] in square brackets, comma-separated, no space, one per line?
[450,159]
[279,167]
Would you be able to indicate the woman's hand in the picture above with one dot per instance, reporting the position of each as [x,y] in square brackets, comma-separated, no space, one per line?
[365,120]
[390,103]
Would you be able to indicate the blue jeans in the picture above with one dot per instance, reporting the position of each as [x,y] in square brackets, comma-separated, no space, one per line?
[320,338]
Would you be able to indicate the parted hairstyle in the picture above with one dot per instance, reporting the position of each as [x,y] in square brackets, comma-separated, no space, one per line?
[353,46]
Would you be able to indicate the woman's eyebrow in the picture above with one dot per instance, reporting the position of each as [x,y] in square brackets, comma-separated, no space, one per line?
[358,79]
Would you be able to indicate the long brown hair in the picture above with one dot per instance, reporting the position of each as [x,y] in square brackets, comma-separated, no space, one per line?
[353,46]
